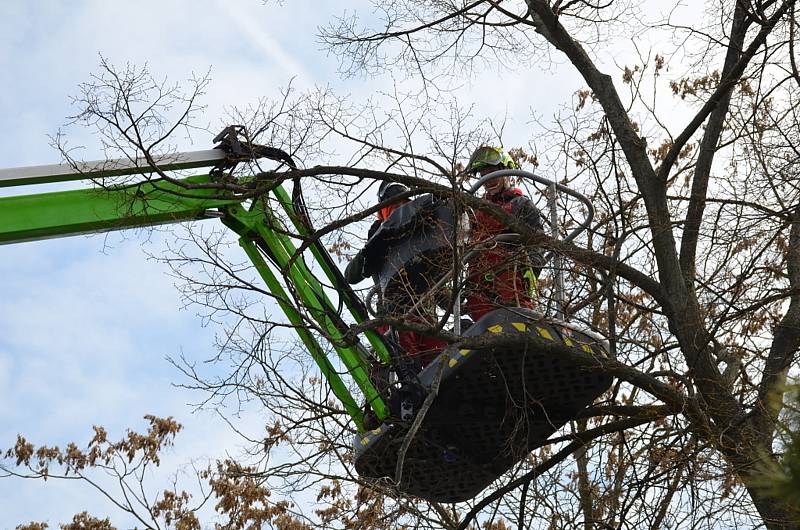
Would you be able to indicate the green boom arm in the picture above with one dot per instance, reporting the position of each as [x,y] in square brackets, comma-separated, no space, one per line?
[263,237]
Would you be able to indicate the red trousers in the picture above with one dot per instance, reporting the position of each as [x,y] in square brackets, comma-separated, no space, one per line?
[418,346]
[507,288]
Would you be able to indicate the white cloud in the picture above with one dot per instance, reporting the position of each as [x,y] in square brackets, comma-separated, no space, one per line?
[257,31]
[83,335]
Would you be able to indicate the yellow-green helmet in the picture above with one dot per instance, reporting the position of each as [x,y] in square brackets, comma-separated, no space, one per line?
[488,156]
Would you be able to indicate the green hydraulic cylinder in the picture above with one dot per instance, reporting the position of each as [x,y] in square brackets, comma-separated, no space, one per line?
[317,353]
[372,336]
[263,224]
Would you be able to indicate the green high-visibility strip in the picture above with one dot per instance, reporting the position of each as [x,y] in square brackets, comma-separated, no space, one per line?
[68,213]
[314,348]
[278,244]
[372,336]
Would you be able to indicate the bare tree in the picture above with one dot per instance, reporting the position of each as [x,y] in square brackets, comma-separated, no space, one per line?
[718,251]
[690,271]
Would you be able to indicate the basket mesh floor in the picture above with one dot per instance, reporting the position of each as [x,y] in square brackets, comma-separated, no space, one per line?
[493,407]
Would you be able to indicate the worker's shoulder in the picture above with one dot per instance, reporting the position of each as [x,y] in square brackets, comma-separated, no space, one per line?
[374,228]
[517,197]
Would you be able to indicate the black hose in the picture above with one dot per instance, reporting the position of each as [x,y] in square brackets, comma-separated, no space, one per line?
[299,205]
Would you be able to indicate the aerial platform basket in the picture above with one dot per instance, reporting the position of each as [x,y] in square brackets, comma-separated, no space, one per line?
[492,409]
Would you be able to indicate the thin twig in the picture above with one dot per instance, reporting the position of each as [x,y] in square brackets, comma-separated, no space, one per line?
[423,410]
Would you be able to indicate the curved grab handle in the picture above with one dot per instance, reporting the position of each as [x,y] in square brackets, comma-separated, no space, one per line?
[541,180]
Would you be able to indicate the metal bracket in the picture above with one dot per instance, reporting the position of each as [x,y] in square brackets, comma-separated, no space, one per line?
[232,141]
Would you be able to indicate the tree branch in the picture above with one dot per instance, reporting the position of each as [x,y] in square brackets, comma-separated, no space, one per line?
[581,439]
[708,147]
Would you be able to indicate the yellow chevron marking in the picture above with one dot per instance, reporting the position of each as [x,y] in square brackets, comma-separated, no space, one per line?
[364,441]
[568,341]
[453,362]
[497,328]
[545,333]
[520,326]
[587,348]
[464,353]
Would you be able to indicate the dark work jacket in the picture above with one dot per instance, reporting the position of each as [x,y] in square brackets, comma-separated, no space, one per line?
[354,273]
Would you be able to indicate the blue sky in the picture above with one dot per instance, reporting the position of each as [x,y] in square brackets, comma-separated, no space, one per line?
[86,322]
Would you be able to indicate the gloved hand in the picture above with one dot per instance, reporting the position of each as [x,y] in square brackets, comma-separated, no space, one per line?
[354,273]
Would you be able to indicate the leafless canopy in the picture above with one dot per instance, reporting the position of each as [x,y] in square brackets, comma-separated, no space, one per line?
[691,270]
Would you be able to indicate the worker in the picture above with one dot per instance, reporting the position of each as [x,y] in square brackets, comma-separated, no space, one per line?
[504,273]
[398,299]
[355,271]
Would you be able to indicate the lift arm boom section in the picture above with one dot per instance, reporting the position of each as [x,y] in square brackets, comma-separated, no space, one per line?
[68,213]
[20,176]
[263,234]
